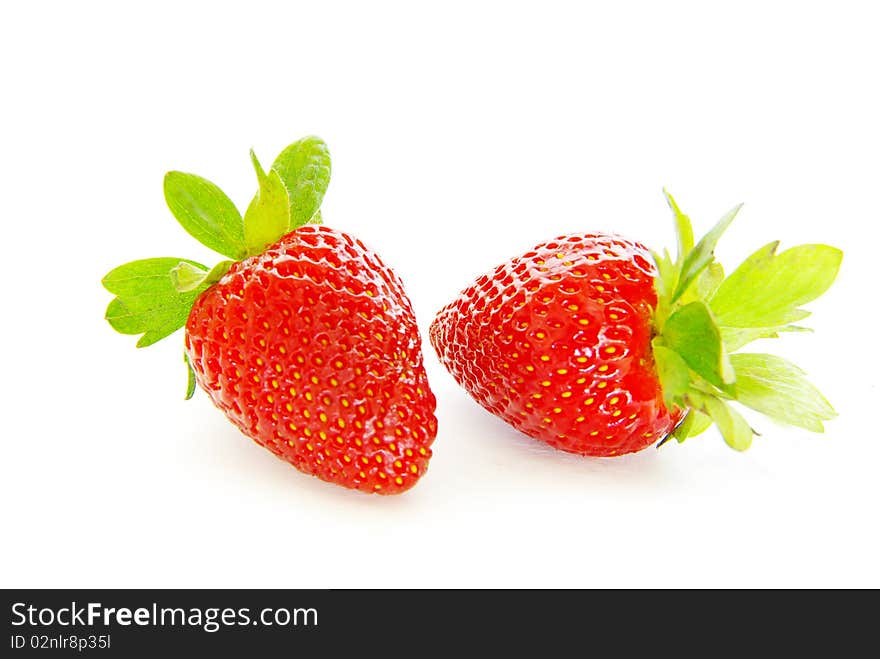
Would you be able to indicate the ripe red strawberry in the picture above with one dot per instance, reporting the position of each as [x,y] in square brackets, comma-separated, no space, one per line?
[557,342]
[593,344]
[311,348]
[308,344]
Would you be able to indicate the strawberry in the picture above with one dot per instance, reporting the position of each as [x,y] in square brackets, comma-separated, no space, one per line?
[598,346]
[304,338]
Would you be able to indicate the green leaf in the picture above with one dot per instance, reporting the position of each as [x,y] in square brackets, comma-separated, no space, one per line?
[692,333]
[735,338]
[733,427]
[694,424]
[684,230]
[700,423]
[664,283]
[767,288]
[146,300]
[665,280]
[268,216]
[683,429]
[704,285]
[317,218]
[780,390]
[190,378]
[304,167]
[187,277]
[206,213]
[701,318]
[703,254]
[709,281]
[674,376]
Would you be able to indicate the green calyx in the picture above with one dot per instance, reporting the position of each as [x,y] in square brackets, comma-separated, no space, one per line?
[703,319]
[154,296]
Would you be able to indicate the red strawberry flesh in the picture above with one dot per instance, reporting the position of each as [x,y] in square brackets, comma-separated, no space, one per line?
[557,342]
[311,348]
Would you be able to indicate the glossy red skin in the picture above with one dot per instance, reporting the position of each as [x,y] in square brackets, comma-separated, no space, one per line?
[311,348]
[557,342]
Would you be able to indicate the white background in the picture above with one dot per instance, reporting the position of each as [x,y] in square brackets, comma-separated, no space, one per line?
[461,135]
